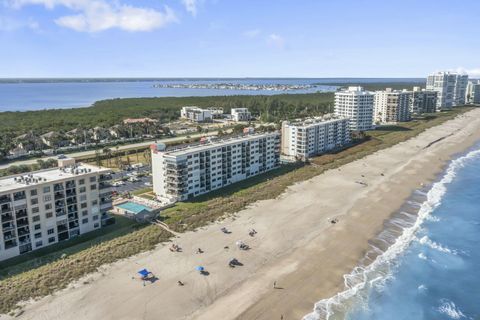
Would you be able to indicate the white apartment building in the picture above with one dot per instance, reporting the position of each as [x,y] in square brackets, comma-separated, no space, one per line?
[196,114]
[391,106]
[472,94]
[422,101]
[44,207]
[302,139]
[184,172]
[240,114]
[357,105]
[450,87]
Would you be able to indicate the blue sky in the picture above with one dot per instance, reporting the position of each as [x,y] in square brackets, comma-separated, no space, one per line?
[237,38]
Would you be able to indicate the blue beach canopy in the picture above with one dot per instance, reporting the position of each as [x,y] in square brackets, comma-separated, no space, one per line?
[143,272]
[199,268]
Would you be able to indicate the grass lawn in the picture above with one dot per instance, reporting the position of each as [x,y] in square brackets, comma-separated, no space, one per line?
[55,272]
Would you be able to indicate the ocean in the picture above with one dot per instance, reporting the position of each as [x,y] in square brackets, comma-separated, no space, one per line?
[38,94]
[425,265]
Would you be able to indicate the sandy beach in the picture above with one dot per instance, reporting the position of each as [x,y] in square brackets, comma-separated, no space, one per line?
[296,245]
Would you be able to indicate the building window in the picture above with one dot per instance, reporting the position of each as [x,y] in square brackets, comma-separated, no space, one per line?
[51,239]
[81,181]
[95,217]
[93,187]
[84,220]
[84,213]
[34,201]
[93,179]
[38,244]
[47,198]
[46,189]
[83,205]
[35,210]
[33,192]
[96,225]
[36,218]
[83,197]
[38,235]
[37,227]
[94,202]
[50,231]
[83,189]
[49,214]
[48,206]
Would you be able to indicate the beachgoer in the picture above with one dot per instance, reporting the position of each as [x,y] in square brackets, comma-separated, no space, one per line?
[180,283]
[274,284]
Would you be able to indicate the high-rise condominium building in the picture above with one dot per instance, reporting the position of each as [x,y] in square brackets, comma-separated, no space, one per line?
[473,92]
[422,101]
[450,88]
[357,105]
[391,106]
[183,172]
[240,114]
[44,207]
[196,114]
[302,139]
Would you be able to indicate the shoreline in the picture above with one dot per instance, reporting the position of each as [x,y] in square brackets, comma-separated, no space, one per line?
[296,245]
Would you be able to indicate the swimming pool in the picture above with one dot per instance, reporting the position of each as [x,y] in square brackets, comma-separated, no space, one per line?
[133,207]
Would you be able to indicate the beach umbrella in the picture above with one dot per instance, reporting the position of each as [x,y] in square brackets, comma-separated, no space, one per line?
[199,268]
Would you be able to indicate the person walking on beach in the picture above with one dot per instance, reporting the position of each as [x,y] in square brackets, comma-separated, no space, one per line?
[274,284]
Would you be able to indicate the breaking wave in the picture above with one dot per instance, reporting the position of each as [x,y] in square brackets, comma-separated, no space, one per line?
[374,274]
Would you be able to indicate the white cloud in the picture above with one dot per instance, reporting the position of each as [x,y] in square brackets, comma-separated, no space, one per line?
[474,72]
[99,15]
[276,40]
[252,33]
[191,6]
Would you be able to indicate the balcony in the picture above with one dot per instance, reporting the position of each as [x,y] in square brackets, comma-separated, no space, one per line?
[7,217]
[105,177]
[8,226]
[104,185]
[22,223]
[19,196]
[21,213]
[59,195]
[5,199]
[5,208]
[10,244]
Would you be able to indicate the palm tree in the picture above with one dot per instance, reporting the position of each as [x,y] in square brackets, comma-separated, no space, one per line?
[108,153]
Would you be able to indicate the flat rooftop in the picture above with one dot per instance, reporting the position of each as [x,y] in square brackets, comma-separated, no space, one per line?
[315,120]
[208,144]
[47,176]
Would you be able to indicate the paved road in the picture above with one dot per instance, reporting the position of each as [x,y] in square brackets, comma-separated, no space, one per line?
[92,152]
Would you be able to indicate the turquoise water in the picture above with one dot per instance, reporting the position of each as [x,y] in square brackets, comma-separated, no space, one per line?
[133,207]
[431,270]
[21,95]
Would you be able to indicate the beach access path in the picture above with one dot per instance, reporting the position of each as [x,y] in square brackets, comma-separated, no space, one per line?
[296,245]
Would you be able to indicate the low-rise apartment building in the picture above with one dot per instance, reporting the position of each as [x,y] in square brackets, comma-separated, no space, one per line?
[422,101]
[240,114]
[44,207]
[391,106]
[183,172]
[302,139]
[356,104]
[196,114]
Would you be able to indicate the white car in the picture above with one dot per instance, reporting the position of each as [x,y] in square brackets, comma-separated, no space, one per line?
[148,184]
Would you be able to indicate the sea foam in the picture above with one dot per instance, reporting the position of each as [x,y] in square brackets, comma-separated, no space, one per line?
[362,278]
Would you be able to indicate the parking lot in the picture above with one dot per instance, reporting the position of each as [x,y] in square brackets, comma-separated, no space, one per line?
[127,175]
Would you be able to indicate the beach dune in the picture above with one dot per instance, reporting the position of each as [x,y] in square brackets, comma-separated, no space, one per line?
[296,247]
